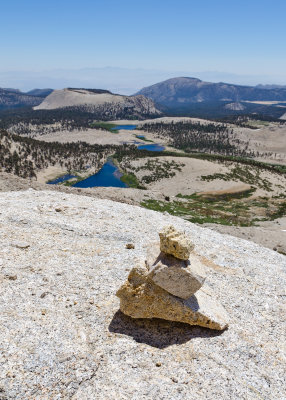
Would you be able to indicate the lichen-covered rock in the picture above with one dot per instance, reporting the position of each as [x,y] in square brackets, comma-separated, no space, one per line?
[175,243]
[140,297]
[182,278]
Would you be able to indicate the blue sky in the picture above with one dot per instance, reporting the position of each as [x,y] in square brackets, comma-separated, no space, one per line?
[236,37]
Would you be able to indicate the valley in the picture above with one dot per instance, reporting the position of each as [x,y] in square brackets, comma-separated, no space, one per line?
[226,173]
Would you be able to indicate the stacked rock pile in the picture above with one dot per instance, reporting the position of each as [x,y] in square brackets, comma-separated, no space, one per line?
[170,285]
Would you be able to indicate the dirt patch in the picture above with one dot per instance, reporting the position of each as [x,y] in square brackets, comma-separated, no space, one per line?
[235,190]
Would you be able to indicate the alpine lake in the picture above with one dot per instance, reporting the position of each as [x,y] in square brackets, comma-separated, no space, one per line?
[109,175]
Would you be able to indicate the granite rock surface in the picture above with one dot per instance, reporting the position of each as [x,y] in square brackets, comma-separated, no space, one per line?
[63,336]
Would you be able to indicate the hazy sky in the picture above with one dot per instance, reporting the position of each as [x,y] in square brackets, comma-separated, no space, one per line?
[240,37]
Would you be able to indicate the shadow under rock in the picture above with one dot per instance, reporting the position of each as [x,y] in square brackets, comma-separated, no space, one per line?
[158,333]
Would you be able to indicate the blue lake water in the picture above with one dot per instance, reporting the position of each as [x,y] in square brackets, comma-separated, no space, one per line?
[151,147]
[109,175]
[61,179]
[127,127]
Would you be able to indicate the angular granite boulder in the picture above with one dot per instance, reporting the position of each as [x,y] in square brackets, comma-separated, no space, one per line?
[140,297]
[175,243]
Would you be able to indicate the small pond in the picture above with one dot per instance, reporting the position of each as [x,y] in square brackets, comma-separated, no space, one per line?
[61,179]
[151,147]
[126,127]
[109,175]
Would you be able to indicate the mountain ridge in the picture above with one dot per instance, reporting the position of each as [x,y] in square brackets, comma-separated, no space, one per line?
[184,90]
[12,98]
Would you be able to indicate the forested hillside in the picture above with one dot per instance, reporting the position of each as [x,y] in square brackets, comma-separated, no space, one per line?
[25,157]
[213,138]
[10,98]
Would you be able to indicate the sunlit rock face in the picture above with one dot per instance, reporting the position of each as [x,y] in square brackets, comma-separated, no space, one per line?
[100,102]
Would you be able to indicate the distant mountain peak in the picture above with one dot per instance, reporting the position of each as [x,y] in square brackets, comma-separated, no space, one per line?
[184,90]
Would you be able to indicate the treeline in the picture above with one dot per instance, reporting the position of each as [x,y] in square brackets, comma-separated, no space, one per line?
[194,136]
[95,91]
[212,138]
[26,121]
[245,120]
[22,121]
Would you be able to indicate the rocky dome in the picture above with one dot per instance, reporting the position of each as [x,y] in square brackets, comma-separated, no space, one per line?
[100,101]
[64,256]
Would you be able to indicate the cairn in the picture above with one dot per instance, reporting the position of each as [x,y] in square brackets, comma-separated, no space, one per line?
[170,285]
